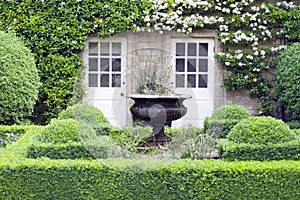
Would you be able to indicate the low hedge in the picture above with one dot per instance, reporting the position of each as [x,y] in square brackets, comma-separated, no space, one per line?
[244,151]
[72,150]
[69,139]
[43,178]
[125,179]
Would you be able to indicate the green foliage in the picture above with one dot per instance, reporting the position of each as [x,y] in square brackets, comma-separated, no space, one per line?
[19,79]
[99,148]
[10,134]
[294,124]
[288,81]
[130,138]
[189,142]
[23,178]
[236,112]
[55,31]
[89,115]
[183,132]
[70,139]
[262,131]
[223,120]
[245,151]
[62,131]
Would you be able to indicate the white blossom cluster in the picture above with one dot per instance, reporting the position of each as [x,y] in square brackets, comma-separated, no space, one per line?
[235,7]
[161,19]
[286,5]
[243,58]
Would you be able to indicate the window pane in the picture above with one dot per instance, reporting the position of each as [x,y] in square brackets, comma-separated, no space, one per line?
[104,80]
[116,65]
[179,65]
[192,49]
[203,49]
[104,64]
[93,80]
[191,78]
[179,80]
[203,65]
[93,48]
[202,81]
[180,49]
[116,80]
[116,48]
[93,64]
[191,65]
[104,48]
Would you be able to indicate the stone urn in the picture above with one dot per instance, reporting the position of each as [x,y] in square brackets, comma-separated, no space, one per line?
[158,111]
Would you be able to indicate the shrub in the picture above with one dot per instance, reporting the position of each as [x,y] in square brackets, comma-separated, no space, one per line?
[130,138]
[62,131]
[295,124]
[89,115]
[70,139]
[188,142]
[261,130]
[288,81]
[223,119]
[44,178]
[19,80]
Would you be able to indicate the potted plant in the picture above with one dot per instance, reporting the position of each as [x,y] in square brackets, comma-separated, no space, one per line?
[155,103]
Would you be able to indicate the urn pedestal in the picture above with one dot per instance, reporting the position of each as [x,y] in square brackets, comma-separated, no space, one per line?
[158,111]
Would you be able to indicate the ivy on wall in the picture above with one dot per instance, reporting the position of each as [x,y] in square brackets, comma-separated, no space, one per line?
[252,33]
[55,31]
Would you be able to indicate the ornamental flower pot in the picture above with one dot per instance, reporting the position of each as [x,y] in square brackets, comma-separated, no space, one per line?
[158,111]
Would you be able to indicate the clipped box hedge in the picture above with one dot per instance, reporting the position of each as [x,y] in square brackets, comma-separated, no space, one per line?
[23,178]
[125,179]
[71,150]
[244,151]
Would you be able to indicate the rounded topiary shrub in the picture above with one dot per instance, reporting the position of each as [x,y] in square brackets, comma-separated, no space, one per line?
[89,115]
[19,79]
[288,81]
[63,131]
[223,119]
[261,130]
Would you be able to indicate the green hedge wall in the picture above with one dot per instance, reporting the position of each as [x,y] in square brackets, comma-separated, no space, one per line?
[244,151]
[184,179]
[43,178]
[71,150]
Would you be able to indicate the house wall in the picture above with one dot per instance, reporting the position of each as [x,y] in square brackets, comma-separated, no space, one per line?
[163,41]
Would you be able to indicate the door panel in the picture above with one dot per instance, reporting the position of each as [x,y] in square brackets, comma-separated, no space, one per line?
[105,77]
[193,70]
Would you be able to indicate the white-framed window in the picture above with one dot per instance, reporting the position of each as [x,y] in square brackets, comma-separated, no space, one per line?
[104,62]
[191,64]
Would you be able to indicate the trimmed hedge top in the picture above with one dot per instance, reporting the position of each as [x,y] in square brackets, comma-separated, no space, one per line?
[90,115]
[261,130]
[230,112]
[62,131]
